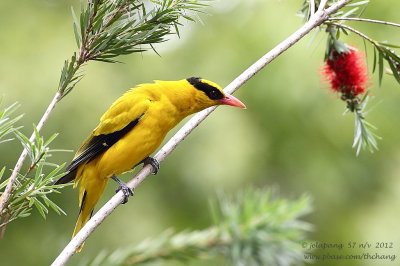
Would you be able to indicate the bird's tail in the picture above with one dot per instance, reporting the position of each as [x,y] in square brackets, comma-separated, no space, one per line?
[90,190]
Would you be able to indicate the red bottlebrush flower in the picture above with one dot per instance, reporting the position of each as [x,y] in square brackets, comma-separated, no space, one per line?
[346,72]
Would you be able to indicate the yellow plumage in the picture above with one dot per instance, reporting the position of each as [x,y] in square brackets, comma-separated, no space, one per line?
[132,129]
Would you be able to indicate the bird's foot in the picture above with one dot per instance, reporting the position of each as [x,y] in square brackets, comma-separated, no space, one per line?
[153,162]
[125,189]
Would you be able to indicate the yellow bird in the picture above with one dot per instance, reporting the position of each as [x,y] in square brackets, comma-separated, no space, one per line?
[132,129]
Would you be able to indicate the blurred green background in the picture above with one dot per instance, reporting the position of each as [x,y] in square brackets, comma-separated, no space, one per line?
[292,135]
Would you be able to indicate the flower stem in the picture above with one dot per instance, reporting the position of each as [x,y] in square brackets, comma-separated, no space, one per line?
[359,33]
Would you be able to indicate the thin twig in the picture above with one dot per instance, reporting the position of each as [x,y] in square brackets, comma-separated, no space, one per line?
[354,31]
[116,200]
[312,7]
[322,5]
[6,220]
[367,20]
[5,197]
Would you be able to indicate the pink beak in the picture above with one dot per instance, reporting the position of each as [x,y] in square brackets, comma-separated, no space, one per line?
[232,101]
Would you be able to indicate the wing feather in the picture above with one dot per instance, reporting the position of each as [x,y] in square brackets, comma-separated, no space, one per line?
[99,144]
[123,115]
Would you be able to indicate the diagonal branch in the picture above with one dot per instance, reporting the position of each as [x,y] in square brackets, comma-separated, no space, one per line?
[316,20]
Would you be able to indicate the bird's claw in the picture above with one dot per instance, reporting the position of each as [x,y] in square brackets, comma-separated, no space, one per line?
[125,189]
[153,162]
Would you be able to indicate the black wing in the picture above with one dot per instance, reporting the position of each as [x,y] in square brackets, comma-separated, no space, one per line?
[96,146]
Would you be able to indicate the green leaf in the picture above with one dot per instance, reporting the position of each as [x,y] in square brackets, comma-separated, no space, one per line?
[374,62]
[385,44]
[40,208]
[359,3]
[394,67]
[53,206]
[364,137]
[391,55]
[38,174]
[22,212]
[7,123]
[351,12]
[27,144]
[2,173]
[50,140]
[380,64]
[77,28]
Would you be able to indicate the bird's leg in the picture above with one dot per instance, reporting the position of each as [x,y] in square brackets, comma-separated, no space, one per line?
[153,162]
[125,189]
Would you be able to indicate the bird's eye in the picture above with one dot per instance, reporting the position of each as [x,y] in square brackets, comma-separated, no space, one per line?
[215,94]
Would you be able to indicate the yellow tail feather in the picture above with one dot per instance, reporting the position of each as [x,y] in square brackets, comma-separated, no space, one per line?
[89,194]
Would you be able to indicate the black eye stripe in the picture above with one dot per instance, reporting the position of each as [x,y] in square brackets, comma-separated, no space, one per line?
[212,92]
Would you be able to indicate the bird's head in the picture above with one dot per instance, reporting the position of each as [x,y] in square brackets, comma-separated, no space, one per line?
[208,93]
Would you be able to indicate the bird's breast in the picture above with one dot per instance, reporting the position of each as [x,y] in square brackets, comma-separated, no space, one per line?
[139,143]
